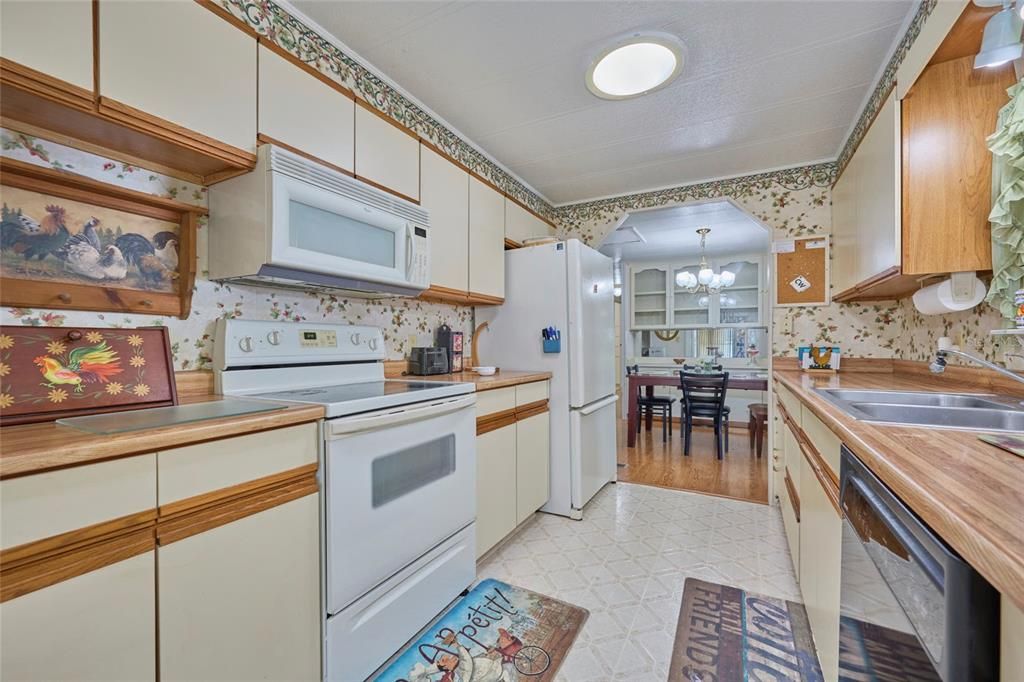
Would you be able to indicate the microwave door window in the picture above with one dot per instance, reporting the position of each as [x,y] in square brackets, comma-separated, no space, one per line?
[318,231]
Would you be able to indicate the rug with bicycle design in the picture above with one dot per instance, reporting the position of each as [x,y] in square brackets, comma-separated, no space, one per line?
[496,633]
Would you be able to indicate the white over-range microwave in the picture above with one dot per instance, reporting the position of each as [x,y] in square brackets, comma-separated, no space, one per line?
[298,224]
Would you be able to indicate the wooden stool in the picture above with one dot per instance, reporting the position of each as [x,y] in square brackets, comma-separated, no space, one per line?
[758,425]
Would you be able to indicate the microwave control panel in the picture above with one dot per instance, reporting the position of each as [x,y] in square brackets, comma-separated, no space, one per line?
[419,270]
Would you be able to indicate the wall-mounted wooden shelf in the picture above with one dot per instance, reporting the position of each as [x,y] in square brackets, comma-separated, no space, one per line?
[45,102]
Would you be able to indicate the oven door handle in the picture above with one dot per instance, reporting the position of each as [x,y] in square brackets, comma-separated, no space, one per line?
[348,426]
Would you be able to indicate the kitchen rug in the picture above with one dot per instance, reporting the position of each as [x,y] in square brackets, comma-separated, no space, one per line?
[725,634]
[496,633]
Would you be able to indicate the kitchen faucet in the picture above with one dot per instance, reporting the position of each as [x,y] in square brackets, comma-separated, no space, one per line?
[938,365]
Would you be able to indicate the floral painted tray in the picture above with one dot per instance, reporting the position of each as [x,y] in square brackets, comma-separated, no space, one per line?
[47,374]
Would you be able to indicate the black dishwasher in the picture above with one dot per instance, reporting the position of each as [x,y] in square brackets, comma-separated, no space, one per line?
[910,608]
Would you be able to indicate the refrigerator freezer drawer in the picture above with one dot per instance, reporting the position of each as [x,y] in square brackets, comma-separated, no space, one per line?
[592,447]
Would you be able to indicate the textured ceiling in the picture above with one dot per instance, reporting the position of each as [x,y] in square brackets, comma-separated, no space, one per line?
[670,233]
[766,83]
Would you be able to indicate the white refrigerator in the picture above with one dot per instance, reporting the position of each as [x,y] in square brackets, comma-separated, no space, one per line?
[567,286]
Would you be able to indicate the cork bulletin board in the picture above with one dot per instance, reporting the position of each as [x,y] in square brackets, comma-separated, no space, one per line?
[802,271]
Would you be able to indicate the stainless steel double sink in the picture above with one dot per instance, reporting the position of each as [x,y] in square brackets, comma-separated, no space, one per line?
[973,412]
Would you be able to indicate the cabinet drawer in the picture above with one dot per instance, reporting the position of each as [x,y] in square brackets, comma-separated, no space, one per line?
[531,393]
[824,441]
[789,401]
[496,400]
[197,469]
[43,505]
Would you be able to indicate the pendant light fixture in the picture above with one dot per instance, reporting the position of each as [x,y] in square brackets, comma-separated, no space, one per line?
[706,280]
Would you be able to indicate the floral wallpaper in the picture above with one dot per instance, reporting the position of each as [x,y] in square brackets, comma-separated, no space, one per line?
[792,203]
[406,322]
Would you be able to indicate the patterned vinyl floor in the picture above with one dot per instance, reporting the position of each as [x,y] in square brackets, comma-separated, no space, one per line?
[626,562]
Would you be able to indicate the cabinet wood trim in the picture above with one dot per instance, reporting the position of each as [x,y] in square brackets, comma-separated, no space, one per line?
[794,496]
[267,139]
[826,477]
[42,563]
[495,421]
[207,518]
[295,61]
[139,120]
[484,299]
[888,284]
[43,85]
[229,17]
[531,409]
[445,295]
[189,505]
[512,244]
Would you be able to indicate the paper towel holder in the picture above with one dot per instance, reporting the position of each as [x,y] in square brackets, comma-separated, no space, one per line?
[960,290]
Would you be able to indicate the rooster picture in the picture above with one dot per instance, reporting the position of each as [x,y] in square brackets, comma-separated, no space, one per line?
[88,364]
[152,263]
[83,254]
[31,238]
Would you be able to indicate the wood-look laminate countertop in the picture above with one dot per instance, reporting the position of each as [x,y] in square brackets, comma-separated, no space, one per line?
[969,492]
[34,448]
[503,379]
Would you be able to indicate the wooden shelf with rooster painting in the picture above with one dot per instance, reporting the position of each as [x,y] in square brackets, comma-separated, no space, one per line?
[51,373]
[42,101]
[70,242]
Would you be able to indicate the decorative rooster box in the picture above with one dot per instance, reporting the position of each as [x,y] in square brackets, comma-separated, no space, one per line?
[50,373]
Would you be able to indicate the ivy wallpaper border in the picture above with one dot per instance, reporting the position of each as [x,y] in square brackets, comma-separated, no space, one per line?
[572,217]
[276,23]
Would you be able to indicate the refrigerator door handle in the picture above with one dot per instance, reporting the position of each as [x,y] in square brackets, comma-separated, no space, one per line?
[595,406]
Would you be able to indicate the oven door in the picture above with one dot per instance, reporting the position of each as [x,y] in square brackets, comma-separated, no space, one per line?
[910,608]
[319,230]
[398,483]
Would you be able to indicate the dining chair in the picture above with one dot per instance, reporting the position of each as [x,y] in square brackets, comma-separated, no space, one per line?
[654,403]
[758,425]
[704,396]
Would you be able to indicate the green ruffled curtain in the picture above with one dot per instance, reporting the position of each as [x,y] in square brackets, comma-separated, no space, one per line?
[1007,216]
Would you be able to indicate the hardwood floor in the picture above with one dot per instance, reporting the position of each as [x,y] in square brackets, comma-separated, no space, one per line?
[740,475]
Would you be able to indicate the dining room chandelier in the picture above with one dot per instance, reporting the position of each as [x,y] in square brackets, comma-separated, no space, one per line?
[706,280]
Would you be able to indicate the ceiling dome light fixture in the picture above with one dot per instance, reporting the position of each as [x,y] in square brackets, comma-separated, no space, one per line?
[1001,40]
[640,64]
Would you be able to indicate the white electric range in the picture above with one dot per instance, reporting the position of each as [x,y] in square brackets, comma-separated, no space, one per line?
[398,475]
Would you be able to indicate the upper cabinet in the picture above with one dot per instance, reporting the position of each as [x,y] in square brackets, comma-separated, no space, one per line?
[387,155]
[444,191]
[687,310]
[303,110]
[914,198]
[649,286]
[521,224]
[51,37]
[658,302]
[486,241]
[741,303]
[204,83]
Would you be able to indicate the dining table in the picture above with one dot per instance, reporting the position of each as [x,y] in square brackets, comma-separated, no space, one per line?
[647,382]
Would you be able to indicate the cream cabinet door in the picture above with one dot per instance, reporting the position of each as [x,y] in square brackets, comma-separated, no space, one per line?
[495,486]
[100,625]
[386,155]
[51,36]
[1011,635]
[444,192]
[486,239]
[182,63]
[821,529]
[301,111]
[521,224]
[533,464]
[242,601]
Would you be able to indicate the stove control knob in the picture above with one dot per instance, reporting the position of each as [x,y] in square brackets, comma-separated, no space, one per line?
[354,339]
[372,343]
[245,343]
[274,338]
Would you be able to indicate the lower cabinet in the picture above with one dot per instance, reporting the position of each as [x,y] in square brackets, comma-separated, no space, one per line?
[533,464]
[496,478]
[100,625]
[242,601]
[513,460]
